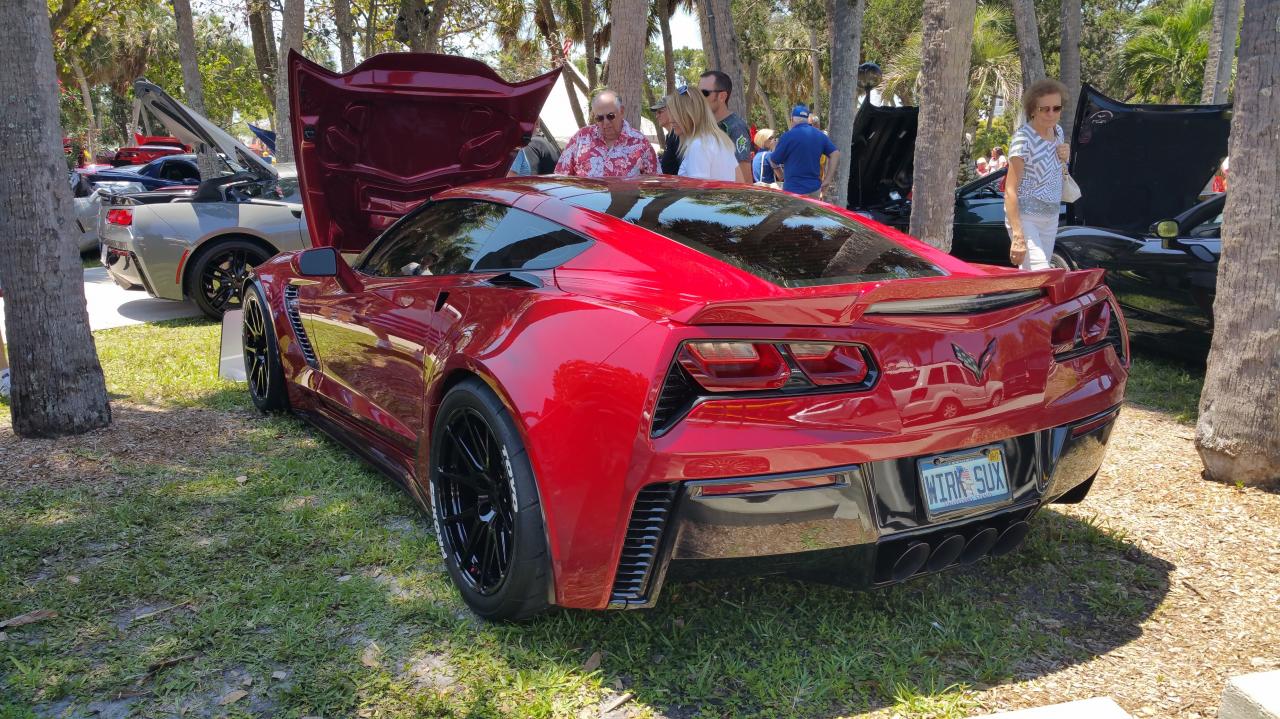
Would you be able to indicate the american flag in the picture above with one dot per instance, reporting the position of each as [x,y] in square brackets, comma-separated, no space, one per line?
[966,480]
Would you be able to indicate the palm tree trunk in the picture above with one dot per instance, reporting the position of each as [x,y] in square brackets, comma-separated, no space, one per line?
[589,43]
[847,23]
[991,111]
[262,35]
[291,39]
[668,53]
[1069,59]
[431,41]
[192,86]
[948,38]
[724,43]
[1024,21]
[91,137]
[769,117]
[1222,50]
[1238,433]
[346,33]
[57,384]
[815,72]
[411,24]
[626,54]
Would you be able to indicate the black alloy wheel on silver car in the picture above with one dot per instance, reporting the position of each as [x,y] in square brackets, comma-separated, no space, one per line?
[485,505]
[219,272]
[262,366]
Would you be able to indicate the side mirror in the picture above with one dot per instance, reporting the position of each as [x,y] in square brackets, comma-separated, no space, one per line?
[1165,230]
[318,262]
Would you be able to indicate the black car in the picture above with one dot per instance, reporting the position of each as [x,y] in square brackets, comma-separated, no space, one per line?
[167,171]
[1141,170]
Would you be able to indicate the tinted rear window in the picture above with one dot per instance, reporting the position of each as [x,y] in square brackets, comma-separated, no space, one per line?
[783,239]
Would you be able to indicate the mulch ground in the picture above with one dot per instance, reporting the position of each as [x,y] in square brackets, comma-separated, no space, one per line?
[1219,544]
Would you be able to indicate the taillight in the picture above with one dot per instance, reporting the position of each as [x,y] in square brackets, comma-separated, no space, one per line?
[827,364]
[734,366]
[120,217]
[1081,331]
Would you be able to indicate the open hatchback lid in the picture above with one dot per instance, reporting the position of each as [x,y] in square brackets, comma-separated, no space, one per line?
[195,130]
[1139,164]
[375,142]
[884,147]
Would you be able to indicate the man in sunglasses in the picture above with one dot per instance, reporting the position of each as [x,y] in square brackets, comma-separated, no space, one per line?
[609,146]
[717,87]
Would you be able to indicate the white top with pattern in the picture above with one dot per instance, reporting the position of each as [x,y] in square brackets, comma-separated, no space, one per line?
[1040,191]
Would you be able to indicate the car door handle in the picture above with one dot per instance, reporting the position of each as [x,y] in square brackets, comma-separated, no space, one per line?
[296,213]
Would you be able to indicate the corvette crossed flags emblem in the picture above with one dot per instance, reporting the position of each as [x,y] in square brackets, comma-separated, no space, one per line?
[976,366]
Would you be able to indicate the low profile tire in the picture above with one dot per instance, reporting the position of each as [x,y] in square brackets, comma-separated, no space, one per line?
[219,272]
[262,366]
[484,502]
[1060,261]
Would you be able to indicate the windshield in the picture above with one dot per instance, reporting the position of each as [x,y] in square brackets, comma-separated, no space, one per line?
[778,237]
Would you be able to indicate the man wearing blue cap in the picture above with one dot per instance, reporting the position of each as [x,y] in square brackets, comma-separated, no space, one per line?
[799,153]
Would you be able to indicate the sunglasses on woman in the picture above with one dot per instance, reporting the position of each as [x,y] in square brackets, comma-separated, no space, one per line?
[1050,108]
[610,117]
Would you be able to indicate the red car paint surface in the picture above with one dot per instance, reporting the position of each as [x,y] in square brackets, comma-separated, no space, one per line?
[579,361]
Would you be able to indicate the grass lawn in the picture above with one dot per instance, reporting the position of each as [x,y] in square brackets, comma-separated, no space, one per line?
[205,560]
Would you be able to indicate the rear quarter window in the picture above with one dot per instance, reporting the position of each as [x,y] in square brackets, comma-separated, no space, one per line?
[780,238]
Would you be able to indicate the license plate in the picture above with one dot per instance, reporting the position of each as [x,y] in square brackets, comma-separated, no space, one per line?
[961,480]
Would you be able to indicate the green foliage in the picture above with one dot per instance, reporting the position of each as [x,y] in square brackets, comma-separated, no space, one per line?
[1164,59]
[996,136]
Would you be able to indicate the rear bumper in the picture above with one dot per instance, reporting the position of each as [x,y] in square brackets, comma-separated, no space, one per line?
[125,269]
[868,527]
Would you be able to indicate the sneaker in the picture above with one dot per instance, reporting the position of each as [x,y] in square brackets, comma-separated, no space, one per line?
[4,382]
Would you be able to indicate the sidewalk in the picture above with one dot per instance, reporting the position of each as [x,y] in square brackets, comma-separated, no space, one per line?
[109,306]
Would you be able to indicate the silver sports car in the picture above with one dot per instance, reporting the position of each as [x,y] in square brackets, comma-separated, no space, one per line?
[200,246]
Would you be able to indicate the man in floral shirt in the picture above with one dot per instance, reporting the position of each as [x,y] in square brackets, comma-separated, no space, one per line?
[609,147]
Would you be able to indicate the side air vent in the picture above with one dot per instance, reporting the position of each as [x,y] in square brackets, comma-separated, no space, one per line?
[636,567]
[1114,338]
[295,321]
[678,395]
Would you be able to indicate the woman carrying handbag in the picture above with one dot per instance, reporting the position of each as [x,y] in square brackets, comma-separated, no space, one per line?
[1037,181]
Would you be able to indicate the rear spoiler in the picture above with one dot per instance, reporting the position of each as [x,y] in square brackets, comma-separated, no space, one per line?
[927,295]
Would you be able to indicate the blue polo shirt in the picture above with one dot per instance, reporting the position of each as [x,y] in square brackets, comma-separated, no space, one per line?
[800,153]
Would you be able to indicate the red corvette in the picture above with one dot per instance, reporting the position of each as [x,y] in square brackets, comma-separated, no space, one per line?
[595,386]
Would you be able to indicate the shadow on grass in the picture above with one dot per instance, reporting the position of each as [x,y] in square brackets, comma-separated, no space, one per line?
[314,567]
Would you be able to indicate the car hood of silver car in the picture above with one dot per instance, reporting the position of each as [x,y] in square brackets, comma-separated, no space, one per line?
[196,130]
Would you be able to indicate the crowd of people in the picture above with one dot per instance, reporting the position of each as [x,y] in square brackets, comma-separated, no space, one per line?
[704,140]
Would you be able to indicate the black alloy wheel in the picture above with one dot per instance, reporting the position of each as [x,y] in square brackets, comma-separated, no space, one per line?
[484,502]
[220,272]
[477,510]
[262,366]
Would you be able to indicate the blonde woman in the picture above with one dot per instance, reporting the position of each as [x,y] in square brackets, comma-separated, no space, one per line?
[761,168]
[706,152]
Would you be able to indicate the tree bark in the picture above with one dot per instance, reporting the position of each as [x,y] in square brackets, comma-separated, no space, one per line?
[589,42]
[188,60]
[948,39]
[847,22]
[668,52]
[262,35]
[724,54]
[1238,433]
[649,99]
[371,30]
[431,42]
[57,383]
[1222,50]
[768,110]
[411,24]
[1024,22]
[753,86]
[290,39]
[91,140]
[346,33]
[815,72]
[1069,60]
[626,55]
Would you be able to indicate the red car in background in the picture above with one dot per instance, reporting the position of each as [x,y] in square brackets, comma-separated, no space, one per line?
[593,386]
[149,147]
